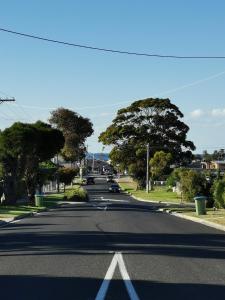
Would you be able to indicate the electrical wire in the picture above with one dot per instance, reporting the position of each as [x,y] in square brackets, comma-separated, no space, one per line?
[107,49]
[200,81]
[17,114]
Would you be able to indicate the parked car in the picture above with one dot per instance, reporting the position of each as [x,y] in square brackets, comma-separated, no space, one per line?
[114,188]
[90,180]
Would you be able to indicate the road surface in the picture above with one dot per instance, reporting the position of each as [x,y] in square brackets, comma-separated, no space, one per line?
[111,247]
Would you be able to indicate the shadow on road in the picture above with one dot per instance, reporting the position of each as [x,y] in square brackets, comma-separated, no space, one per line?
[66,288]
[37,242]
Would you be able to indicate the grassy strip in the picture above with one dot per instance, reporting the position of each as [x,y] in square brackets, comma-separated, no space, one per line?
[214,216]
[158,194]
[75,193]
[53,199]
[17,210]
[217,216]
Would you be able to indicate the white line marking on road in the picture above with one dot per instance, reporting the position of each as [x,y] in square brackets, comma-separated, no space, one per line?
[116,200]
[130,288]
[117,259]
[104,207]
[105,284]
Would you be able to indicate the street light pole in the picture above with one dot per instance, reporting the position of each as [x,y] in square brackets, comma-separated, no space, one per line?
[147,169]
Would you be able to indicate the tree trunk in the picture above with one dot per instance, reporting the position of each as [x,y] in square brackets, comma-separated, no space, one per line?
[30,180]
[9,190]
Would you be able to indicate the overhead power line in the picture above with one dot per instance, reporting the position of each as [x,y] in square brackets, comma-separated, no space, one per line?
[107,49]
[6,100]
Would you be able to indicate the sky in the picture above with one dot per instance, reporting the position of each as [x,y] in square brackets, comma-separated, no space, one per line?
[43,76]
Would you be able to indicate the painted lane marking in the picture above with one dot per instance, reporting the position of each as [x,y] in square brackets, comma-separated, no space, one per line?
[103,207]
[129,286]
[105,284]
[117,200]
[117,259]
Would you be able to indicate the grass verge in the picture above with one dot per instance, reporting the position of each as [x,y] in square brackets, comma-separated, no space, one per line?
[214,216]
[75,193]
[158,194]
[17,210]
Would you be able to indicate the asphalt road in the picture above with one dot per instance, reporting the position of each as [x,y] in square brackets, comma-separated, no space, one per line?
[67,253]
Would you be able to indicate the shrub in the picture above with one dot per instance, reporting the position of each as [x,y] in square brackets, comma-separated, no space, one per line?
[219,193]
[192,184]
[174,177]
[76,194]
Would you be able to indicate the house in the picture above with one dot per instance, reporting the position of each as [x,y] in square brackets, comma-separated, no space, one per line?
[214,165]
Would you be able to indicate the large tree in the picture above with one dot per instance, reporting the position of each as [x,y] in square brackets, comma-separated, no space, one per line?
[156,122]
[22,147]
[75,129]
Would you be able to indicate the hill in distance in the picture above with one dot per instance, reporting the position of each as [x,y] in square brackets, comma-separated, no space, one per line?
[99,156]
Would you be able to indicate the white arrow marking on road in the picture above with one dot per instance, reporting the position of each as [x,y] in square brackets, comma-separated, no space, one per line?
[117,259]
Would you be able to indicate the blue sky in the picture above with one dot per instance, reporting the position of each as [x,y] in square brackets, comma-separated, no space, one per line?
[43,76]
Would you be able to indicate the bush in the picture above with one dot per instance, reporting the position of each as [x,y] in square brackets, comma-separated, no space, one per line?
[219,193]
[192,184]
[76,194]
[174,177]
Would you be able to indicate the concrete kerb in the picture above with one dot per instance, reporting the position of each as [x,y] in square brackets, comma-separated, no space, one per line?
[193,219]
[179,215]
[22,216]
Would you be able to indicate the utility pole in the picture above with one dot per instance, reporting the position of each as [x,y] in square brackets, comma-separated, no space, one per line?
[93,163]
[6,100]
[57,174]
[147,169]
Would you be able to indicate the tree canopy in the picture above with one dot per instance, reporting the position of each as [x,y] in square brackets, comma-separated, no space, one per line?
[22,147]
[75,129]
[154,121]
[159,162]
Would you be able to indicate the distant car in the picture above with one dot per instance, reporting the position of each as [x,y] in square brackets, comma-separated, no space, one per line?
[90,180]
[109,178]
[114,188]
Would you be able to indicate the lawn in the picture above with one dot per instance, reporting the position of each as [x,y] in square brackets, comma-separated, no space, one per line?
[158,194]
[17,210]
[53,199]
[11,211]
[50,200]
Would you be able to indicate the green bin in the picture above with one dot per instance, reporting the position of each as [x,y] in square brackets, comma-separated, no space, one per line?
[39,199]
[200,205]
